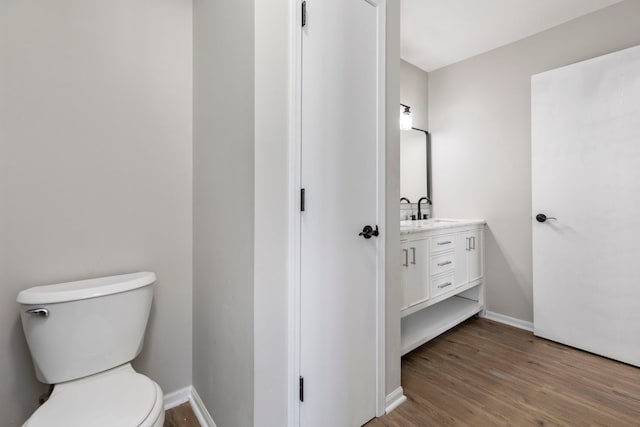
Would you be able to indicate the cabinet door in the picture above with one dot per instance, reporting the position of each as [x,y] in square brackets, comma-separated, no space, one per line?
[422,259]
[407,276]
[462,253]
[415,272]
[475,255]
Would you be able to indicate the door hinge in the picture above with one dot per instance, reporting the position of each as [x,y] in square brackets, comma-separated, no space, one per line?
[304,13]
[302,200]
[301,389]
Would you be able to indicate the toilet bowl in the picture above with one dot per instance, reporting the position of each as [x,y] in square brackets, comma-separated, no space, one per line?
[117,398]
[82,337]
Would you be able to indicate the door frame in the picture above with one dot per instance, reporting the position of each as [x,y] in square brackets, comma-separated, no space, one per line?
[295,217]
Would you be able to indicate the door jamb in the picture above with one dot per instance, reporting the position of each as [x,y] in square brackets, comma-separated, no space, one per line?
[295,104]
[295,145]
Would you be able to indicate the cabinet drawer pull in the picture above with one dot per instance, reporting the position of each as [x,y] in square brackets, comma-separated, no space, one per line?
[406,258]
[413,253]
[442,264]
[445,285]
[473,239]
[448,242]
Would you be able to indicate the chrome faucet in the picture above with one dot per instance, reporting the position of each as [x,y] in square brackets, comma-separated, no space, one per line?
[419,202]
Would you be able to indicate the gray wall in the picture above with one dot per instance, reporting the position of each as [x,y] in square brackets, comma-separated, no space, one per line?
[223,159]
[479,114]
[95,168]
[414,89]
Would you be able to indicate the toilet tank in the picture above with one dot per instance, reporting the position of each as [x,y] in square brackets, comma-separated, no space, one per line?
[77,329]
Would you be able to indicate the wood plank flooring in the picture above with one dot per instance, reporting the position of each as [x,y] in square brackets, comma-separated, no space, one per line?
[181,416]
[484,373]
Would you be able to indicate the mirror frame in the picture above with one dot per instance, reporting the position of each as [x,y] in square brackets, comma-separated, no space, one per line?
[428,177]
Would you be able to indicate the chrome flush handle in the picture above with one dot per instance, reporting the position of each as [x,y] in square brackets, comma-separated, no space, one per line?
[40,312]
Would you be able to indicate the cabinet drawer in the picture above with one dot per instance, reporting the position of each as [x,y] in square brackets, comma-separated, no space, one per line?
[443,243]
[442,263]
[442,285]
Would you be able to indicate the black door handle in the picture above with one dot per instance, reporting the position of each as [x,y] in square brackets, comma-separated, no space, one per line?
[368,231]
[542,217]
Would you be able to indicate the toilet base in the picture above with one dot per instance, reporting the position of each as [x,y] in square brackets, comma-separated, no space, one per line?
[119,397]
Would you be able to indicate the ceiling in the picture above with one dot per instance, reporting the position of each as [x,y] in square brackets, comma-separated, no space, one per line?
[436,33]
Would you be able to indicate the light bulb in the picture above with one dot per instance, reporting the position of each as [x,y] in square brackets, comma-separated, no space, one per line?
[406,119]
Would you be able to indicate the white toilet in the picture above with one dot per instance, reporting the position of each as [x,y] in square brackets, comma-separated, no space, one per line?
[82,337]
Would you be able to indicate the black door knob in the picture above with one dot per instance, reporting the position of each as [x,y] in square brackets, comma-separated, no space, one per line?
[542,217]
[368,232]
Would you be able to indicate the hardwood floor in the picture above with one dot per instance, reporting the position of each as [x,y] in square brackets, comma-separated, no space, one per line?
[181,416]
[484,373]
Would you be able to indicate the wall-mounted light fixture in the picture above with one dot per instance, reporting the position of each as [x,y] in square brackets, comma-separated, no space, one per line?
[406,118]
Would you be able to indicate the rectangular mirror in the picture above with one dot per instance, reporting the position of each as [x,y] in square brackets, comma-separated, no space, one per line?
[415,164]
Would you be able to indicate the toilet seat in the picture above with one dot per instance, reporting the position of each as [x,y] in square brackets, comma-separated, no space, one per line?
[116,398]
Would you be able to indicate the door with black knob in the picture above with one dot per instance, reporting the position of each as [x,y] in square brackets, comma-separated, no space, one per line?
[342,226]
[586,205]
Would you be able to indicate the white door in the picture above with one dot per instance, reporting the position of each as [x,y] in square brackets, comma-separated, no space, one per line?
[342,141]
[586,173]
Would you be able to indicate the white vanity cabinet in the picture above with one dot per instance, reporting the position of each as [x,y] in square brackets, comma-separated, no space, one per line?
[442,277]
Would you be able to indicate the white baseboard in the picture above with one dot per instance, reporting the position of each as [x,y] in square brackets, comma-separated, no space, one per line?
[189,394]
[508,320]
[177,398]
[395,399]
[202,414]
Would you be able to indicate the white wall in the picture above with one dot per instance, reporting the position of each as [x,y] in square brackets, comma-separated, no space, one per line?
[414,89]
[224,206]
[241,145]
[95,168]
[392,238]
[479,115]
[272,209]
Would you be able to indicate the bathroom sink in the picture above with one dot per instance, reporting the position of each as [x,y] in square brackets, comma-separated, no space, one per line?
[424,222]
[435,223]
[427,224]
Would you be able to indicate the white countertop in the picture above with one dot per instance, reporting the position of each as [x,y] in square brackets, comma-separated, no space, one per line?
[408,227]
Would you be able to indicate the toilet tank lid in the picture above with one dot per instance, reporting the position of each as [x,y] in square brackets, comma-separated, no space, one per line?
[85,289]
